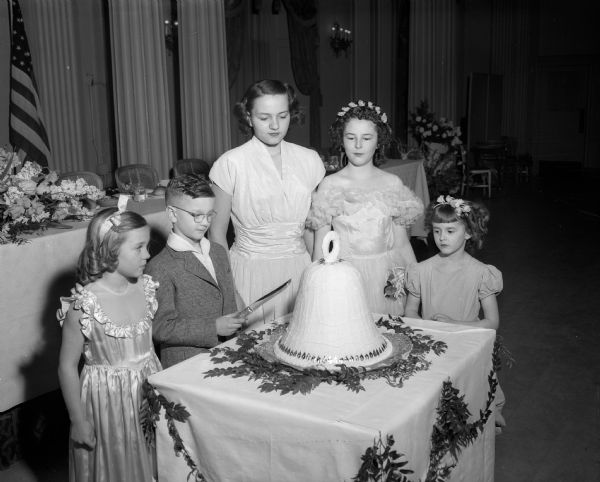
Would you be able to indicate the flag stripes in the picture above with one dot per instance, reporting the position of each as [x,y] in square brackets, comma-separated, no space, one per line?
[27,133]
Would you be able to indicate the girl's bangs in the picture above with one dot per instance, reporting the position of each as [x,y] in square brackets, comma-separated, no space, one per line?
[444,214]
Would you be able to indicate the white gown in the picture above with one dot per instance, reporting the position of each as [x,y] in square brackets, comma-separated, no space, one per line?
[268,212]
[364,220]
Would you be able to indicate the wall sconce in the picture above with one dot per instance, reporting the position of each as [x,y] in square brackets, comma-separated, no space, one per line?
[340,39]
[171,34]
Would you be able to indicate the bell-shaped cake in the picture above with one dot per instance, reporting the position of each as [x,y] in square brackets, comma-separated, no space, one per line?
[331,323]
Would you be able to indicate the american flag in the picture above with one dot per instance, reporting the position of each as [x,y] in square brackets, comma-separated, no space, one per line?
[27,133]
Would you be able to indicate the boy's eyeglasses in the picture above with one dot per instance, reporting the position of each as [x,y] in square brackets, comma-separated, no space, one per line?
[198,217]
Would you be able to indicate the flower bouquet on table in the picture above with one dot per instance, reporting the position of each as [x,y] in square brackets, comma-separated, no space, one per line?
[32,198]
[394,286]
[440,141]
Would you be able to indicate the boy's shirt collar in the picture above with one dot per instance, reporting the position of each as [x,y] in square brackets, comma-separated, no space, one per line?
[179,243]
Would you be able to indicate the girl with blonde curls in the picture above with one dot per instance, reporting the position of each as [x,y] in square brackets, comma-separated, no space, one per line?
[369,208]
[108,323]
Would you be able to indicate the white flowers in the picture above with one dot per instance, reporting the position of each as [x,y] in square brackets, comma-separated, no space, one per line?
[362,103]
[460,205]
[394,287]
[32,196]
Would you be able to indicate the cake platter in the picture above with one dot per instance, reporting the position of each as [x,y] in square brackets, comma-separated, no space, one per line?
[401,348]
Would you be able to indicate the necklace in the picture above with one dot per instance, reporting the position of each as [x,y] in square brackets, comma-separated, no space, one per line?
[114,292]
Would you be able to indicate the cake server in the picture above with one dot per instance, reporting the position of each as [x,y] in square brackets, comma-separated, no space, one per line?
[263,299]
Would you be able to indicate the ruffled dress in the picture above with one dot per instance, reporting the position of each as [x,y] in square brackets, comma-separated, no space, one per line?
[364,220]
[455,291]
[118,359]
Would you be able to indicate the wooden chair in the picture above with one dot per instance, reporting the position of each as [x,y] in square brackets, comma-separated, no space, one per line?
[474,177]
[90,177]
[191,166]
[136,175]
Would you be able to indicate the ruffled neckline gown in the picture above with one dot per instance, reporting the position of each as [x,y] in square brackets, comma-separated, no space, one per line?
[118,359]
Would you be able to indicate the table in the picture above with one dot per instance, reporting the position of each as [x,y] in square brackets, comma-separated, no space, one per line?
[236,433]
[32,278]
[412,173]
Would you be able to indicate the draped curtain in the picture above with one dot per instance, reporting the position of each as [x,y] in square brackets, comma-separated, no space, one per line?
[50,30]
[433,56]
[510,56]
[203,79]
[304,44]
[140,86]
[235,26]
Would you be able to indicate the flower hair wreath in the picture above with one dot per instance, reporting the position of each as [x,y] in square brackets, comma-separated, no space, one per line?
[362,103]
[460,205]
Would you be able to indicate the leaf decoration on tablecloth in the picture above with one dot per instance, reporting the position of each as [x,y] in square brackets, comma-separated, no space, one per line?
[278,377]
[382,462]
[152,403]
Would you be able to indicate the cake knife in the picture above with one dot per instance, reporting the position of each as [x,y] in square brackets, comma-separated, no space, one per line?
[263,299]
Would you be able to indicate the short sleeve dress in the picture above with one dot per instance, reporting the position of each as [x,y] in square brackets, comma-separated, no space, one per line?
[118,359]
[268,212]
[364,220]
[456,292]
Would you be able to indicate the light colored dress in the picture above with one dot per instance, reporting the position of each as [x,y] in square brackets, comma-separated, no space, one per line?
[268,212]
[455,292]
[118,359]
[364,220]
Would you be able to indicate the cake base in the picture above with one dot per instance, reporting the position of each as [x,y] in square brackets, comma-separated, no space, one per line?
[401,348]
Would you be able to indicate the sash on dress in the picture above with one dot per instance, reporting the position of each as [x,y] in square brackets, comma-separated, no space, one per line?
[273,240]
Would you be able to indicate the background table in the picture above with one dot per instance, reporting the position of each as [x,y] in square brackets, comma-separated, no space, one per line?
[236,433]
[412,173]
[32,278]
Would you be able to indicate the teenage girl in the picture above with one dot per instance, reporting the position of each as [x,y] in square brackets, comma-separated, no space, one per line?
[109,321]
[368,207]
[264,186]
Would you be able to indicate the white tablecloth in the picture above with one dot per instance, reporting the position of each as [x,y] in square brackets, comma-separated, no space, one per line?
[237,433]
[32,277]
[412,173]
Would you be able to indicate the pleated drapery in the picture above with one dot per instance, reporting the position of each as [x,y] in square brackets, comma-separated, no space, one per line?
[205,110]
[304,44]
[140,87]
[50,26]
[433,56]
[510,55]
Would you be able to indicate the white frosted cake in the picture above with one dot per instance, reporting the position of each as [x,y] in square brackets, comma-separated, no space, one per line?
[331,323]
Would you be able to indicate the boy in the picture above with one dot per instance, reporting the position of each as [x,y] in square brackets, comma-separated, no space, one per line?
[196,295]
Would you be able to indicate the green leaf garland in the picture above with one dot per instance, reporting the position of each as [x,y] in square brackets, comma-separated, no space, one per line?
[279,377]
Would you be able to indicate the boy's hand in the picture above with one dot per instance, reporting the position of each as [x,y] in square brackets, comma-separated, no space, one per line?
[82,434]
[227,325]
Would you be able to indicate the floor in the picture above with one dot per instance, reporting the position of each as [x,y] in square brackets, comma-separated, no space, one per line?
[543,241]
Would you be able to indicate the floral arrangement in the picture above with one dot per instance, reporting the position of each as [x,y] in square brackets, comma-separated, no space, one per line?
[394,287]
[424,127]
[440,142]
[362,103]
[32,197]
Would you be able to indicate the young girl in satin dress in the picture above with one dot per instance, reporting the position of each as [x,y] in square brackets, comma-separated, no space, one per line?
[264,186]
[109,321]
[369,208]
[452,286]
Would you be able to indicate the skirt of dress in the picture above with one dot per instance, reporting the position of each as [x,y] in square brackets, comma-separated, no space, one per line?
[374,270]
[112,400]
[254,276]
